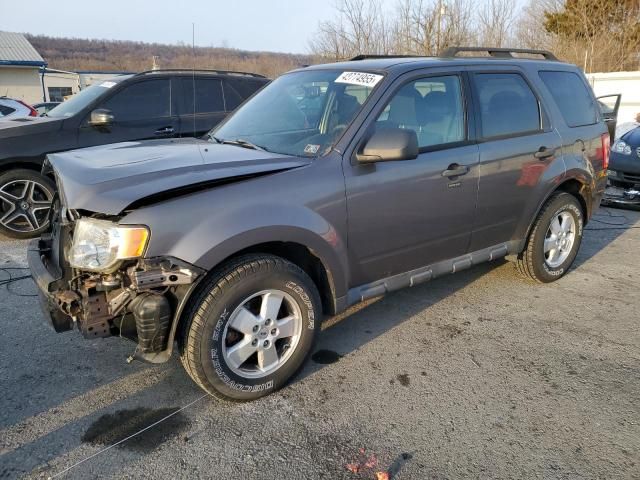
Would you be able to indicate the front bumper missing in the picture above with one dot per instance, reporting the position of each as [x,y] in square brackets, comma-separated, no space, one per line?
[629,196]
[47,284]
[147,301]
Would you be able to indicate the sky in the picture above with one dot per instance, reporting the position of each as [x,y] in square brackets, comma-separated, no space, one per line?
[269,25]
[272,25]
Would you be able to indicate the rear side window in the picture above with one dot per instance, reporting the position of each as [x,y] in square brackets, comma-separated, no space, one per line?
[4,110]
[572,97]
[208,95]
[142,100]
[508,107]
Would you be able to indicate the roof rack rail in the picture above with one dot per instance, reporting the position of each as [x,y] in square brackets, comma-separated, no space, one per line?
[498,52]
[202,70]
[373,57]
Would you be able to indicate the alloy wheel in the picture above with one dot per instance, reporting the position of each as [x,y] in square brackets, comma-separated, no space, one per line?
[262,333]
[559,240]
[24,205]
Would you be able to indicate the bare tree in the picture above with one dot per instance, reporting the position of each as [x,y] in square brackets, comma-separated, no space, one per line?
[496,21]
[360,27]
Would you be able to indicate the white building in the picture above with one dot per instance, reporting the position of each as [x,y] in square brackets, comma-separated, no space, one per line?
[24,74]
[625,83]
[20,66]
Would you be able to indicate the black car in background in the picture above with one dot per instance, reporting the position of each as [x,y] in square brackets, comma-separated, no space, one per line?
[624,171]
[147,105]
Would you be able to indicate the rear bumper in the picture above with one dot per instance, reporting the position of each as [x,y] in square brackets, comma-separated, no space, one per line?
[46,284]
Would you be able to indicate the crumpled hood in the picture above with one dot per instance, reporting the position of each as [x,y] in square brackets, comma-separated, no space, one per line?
[107,179]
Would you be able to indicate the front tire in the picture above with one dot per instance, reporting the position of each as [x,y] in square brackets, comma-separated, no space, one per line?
[250,327]
[554,240]
[25,201]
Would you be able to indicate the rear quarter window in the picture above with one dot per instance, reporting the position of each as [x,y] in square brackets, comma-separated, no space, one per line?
[4,110]
[572,97]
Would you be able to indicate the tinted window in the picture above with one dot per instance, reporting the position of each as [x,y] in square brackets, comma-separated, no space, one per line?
[4,110]
[572,97]
[507,104]
[432,107]
[208,95]
[232,98]
[147,99]
[245,87]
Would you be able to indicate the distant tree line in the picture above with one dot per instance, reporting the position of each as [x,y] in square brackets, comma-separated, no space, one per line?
[598,35]
[110,55]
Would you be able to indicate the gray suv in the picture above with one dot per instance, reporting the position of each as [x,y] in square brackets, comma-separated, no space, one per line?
[334,184]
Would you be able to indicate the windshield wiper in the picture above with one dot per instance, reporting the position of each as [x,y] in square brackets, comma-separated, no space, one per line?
[241,143]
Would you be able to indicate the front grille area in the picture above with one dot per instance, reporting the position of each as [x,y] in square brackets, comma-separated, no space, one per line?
[631,177]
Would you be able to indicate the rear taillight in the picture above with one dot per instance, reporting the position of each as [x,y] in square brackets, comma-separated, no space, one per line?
[606,144]
[32,111]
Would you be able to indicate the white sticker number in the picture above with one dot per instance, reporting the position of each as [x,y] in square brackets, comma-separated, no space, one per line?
[359,78]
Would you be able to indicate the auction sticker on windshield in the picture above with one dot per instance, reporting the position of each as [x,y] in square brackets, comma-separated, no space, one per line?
[359,78]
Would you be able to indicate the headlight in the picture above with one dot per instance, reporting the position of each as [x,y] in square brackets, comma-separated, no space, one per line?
[621,147]
[612,173]
[99,245]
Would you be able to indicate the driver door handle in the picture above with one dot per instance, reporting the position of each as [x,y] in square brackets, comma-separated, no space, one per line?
[164,131]
[455,170]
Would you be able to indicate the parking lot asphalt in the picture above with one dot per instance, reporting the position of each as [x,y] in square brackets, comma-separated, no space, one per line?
[475,375]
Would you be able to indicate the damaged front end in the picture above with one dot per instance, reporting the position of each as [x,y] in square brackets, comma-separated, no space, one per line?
[623,189]
[92,274]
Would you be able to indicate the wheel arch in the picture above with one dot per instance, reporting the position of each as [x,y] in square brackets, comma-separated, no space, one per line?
[301,256]
[13,164]
[572,186]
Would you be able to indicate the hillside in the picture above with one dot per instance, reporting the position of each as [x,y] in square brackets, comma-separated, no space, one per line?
[111,55]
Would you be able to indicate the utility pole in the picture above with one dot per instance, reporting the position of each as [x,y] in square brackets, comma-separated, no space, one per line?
[442,10]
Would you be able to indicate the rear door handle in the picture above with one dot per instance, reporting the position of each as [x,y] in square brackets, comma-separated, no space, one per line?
[164,131]
[544,152]
[455,170]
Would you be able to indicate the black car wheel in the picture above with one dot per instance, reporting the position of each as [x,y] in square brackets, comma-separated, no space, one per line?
[250,327]
[554,240]
[25,201]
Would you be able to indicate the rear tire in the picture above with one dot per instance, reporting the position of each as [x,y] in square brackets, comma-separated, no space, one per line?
[554,240]
[25,200]
[250,327]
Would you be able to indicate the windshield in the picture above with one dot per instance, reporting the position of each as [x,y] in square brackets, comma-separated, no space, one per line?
[301,113]
[80,100]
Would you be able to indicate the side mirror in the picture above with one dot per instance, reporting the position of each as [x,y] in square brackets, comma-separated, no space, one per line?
[389,145]
[101,118]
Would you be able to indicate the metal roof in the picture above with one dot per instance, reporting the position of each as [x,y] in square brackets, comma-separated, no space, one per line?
[15,49]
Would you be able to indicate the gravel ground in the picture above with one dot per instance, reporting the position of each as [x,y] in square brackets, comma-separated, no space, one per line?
[476,375]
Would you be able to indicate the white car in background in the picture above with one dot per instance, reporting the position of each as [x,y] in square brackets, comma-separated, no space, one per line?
[10,108]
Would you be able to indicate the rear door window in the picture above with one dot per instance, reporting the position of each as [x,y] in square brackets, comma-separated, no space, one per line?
[508,106]
[142,100]
[572,97]
[208,95]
